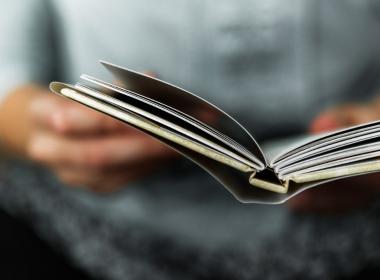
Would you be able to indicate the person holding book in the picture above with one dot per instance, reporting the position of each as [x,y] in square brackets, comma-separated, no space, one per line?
[81,146]
[280,75]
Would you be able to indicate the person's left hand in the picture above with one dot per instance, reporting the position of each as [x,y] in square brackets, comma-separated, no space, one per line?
[88,149]
[348,193]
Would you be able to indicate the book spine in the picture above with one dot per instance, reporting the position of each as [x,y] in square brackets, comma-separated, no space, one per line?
[269,186]
[337,172]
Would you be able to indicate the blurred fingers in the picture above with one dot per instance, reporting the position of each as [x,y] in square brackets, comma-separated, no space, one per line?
[102,182]
[344,116]
[98,152]
[338,196]
[326,121]
[357,114]
[66,117]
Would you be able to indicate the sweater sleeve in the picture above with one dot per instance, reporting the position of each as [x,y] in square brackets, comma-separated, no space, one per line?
[26,45]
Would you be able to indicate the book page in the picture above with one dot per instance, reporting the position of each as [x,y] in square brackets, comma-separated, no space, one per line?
[345,171]
[327,141]
[335,158]
[175,116]
[148,126]
[273,148]
[163,122]
[187,103]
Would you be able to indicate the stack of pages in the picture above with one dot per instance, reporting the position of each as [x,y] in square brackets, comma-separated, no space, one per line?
[219,144]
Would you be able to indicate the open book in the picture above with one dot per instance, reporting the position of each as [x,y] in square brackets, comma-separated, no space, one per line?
[219,144]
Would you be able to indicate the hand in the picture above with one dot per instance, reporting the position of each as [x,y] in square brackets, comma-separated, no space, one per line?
[348,193]
[86,148]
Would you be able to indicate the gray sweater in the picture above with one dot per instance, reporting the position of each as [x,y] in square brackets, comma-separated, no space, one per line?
[272,64]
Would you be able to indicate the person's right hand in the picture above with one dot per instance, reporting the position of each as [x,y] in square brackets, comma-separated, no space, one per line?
[86,148]
[349,193]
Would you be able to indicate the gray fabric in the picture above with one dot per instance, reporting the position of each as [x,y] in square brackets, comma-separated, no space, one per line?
[308,54]
[26,45]
[255,59]
[188,230]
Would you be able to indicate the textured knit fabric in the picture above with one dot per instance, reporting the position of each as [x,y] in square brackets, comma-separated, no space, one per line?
[244,55]
[272,64]
[190,229]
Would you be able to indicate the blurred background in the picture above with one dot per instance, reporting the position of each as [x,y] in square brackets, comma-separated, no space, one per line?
[83,196]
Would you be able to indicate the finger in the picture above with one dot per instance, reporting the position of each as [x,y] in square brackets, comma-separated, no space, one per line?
[151,74]
[376,103]
[326,121]
[318,203]
[358,114]
[343,116]
[121,180]
[97,152]
[102,182]
[311,201]
[338,196]
[67,117]
[43,108]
